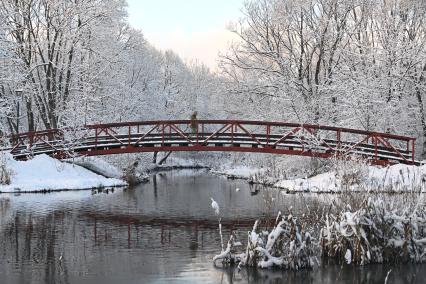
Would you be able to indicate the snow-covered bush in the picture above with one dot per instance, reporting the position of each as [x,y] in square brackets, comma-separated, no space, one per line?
[131,175]
[373,229]
[350,171]
[286,246]
[264,177]
[378,232]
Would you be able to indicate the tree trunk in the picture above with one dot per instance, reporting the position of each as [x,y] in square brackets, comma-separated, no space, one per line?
[154,158]
[30,116]
[419,96]
[165,158]
[423,120]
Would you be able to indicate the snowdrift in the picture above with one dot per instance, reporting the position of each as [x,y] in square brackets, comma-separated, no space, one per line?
[98,166]
[396,178]
[44,173]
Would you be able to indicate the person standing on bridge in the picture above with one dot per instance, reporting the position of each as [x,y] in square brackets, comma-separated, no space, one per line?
[194,122]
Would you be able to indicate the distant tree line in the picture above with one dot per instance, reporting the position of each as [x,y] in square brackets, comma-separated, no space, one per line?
[355,63]
[72,62]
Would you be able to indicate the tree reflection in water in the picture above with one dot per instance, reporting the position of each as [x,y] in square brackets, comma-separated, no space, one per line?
[158,232]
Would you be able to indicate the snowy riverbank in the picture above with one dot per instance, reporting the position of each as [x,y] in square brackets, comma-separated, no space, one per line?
[43,173]
[396,178]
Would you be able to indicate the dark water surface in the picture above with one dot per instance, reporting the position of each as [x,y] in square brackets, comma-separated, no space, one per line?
[161,232]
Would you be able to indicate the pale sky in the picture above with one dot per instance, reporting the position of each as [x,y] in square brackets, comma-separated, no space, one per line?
[194,29]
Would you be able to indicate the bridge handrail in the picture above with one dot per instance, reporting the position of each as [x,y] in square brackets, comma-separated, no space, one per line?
[245,122]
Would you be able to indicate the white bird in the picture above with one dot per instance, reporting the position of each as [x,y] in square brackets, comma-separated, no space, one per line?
[215,206]
[237,189]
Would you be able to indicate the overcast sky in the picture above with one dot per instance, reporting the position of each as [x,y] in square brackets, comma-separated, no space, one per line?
[195,29]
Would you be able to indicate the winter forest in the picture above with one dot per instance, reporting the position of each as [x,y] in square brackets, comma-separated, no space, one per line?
[358,64]
[303,149]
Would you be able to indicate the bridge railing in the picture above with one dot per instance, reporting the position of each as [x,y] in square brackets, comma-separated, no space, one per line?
[220,135]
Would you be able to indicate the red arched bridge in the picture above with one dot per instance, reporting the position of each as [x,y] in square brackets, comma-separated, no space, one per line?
[216,135]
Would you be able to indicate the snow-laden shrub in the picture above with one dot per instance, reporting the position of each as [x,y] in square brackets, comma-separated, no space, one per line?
[375,229]
[350,171]
[131,174]
[286,246]
[377,232]
[266,177]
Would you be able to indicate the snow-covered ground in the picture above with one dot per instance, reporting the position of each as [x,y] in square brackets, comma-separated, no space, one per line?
[45,173]
[99,166]
[395,178]
[325,182]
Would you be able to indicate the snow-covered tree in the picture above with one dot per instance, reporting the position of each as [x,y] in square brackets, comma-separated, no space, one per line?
[52,45]
[350,63]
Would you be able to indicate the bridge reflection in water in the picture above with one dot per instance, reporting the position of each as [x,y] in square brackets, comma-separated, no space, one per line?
[155,233]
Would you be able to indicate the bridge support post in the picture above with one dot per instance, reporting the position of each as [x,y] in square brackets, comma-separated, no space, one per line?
[198,133]
[31,136]
[268,132]
[162,134]
[232,133]
[339,135]
[413,151]
[375,149]
[96,139]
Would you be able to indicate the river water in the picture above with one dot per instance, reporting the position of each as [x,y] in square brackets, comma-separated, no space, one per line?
[161,232]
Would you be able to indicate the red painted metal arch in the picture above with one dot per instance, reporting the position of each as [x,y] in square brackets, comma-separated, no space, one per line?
[217,135]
